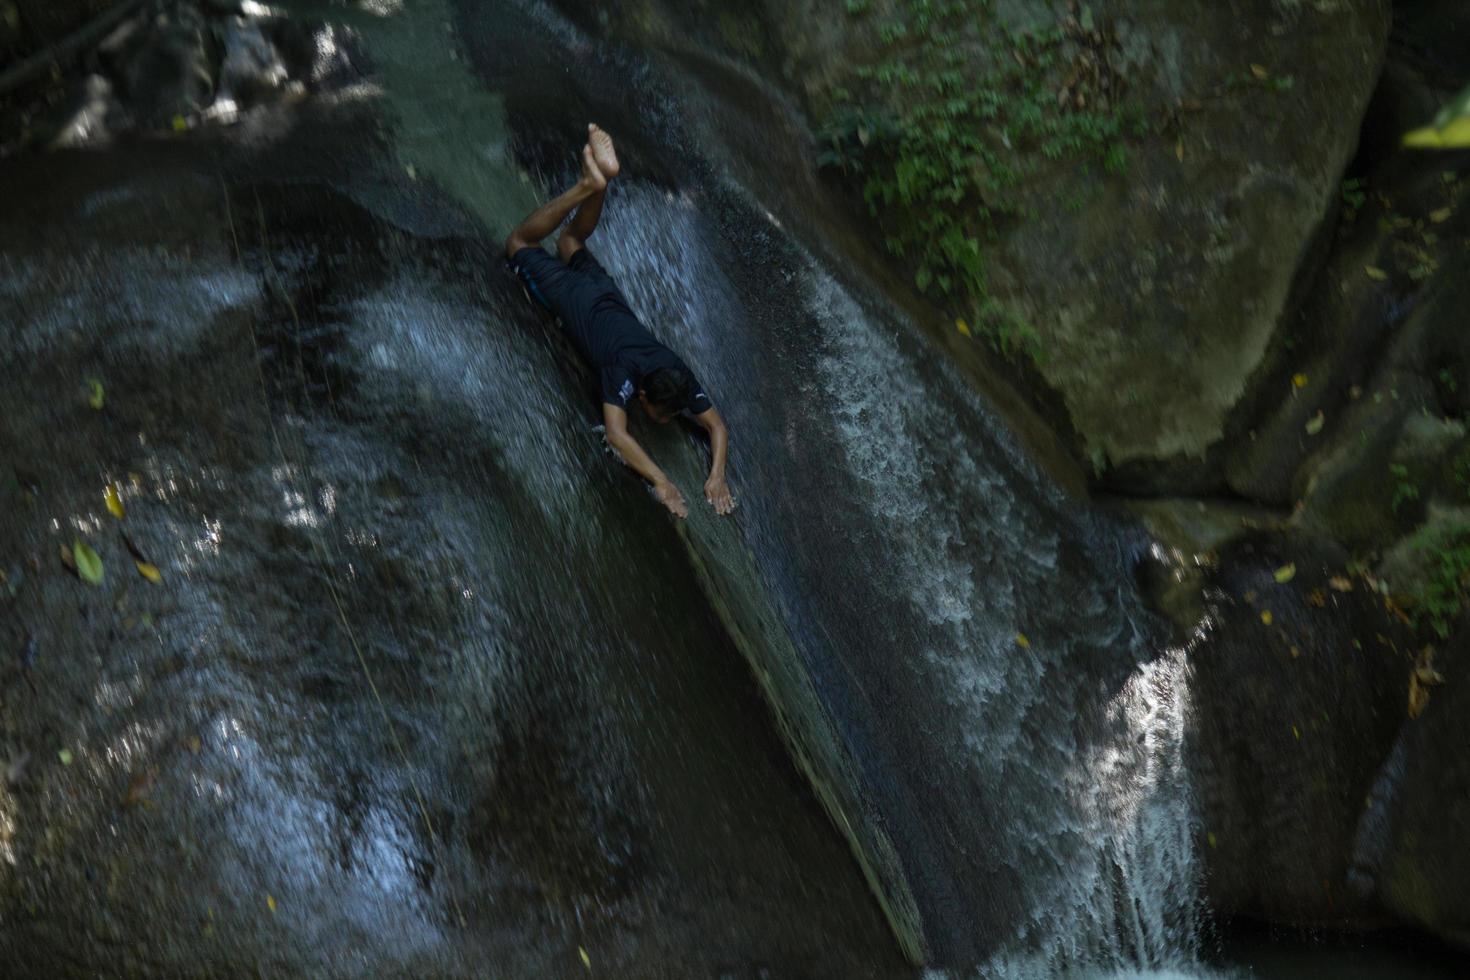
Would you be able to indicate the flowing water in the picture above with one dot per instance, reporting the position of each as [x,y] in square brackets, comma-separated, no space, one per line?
[465,696]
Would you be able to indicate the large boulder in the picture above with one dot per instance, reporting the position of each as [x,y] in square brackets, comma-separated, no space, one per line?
[1299,691]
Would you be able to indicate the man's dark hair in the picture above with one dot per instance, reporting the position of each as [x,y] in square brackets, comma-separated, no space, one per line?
[667,388]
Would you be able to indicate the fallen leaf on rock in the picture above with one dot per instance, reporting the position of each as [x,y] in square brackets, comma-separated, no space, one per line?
[139,788]
[1299,380]
[96,397]
[1441,216]
[150,572]
[1179,151]
[67,560]
[192,743]
[88,565]
[1418,695]
[1297,732]
[1022,642]
[1213,840]
[1250,596]
[180,124]
[1260,72]
[962,327]
[1317,598]
[1316,422]
[1375,273]
[114,502]
[65,756]
[1340,584]
[1285,573]
[1266,617]
[586,960]
[270,902]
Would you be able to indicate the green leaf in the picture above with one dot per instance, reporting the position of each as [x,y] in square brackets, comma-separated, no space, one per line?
[89,565]
[95,394]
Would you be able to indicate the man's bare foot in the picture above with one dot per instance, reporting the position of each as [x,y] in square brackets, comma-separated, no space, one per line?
[591,174]
[602,151]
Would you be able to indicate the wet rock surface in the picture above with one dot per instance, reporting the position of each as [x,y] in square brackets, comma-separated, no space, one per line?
[342,737]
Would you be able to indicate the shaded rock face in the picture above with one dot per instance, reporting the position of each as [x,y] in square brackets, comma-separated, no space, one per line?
[1293,719]
[1416,857]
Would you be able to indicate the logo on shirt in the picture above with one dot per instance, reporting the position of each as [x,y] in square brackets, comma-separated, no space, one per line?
[626,391]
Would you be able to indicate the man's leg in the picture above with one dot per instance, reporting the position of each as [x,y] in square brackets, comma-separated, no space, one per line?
[545,219]
[584,223]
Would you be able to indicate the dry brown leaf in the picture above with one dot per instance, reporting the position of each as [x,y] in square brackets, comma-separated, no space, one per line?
[1317,598]
[1340,584]
[1260,72]
[139,788]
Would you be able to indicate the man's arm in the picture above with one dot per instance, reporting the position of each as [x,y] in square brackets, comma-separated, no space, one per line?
[616,421]
[716,490]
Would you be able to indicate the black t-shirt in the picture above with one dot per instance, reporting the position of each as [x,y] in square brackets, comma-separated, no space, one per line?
[593,311]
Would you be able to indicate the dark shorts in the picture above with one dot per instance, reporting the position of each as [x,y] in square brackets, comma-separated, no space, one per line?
[569,290]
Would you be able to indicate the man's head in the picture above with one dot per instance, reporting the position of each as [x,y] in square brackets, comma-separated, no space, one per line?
[664,391]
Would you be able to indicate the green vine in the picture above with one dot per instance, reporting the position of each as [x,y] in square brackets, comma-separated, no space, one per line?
[958,111]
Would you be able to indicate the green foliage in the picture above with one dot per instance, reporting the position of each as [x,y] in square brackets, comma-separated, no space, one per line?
[938,146]
[1440,601]
[1405,490]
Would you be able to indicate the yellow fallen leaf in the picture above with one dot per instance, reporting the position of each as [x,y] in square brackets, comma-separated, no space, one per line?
[1022,642]
[1285,573]
[1260,72]
[1375,273]
[586,960]
[64,756]
[150,572]
[1297,732]
[1440,216]
[1214,841]
[96,397]
[962,327]
[1298,380]
[114,502]
[180,124]
[1455,135]
[1340,584]
[1266,617]
[1315,423]
[1295,652]
[270,902]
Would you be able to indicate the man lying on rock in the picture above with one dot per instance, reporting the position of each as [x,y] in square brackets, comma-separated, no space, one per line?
[629,361]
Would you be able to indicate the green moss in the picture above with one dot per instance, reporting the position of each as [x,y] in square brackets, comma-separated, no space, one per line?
[959,110]
[1445,593]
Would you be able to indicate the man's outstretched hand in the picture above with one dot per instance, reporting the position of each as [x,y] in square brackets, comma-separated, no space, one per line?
[717,492]
[670,497]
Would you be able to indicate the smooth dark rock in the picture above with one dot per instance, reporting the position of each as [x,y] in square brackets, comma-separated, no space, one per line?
[1292,722]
